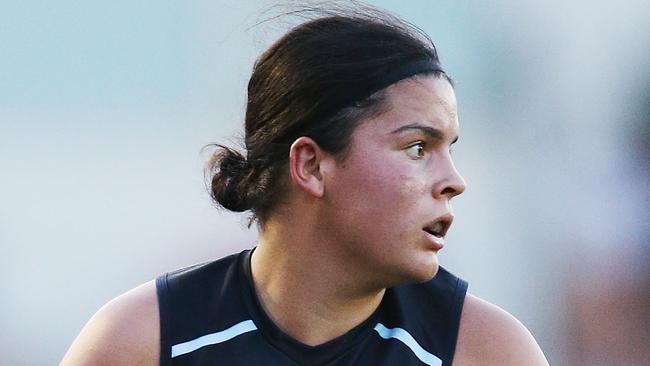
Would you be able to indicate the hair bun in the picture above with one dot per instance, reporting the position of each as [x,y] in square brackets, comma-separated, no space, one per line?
[231,174]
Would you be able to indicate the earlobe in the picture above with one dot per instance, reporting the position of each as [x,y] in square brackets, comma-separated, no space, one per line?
[305,166]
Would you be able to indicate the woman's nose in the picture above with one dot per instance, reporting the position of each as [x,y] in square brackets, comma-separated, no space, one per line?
[452,183]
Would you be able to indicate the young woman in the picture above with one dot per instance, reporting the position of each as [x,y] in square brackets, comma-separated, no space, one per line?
[348,173]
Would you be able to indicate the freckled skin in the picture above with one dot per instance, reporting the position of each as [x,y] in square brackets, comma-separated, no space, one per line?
[379,199]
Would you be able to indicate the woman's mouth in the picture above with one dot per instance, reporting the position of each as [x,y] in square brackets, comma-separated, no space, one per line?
[435,239]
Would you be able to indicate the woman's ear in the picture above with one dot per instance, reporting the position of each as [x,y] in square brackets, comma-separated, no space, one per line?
[305,158]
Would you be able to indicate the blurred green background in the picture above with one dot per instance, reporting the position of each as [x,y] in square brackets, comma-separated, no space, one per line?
[105,106]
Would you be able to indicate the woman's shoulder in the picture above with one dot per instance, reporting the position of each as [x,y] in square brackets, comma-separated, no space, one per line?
[489,335]
[125,331]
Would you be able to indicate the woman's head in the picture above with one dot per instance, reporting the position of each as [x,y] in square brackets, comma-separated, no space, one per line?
[318,80]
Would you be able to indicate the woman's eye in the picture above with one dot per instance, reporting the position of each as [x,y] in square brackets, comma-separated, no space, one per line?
[416,151]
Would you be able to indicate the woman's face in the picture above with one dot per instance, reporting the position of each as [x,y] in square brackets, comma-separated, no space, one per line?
[396,181]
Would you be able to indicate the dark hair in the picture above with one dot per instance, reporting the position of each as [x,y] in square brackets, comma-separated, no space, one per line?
[318,80]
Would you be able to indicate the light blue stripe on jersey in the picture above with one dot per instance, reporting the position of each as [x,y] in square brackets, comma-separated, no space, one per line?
[406,338]
[213,338]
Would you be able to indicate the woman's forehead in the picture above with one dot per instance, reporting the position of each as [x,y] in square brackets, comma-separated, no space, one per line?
[427,101]
[423,89]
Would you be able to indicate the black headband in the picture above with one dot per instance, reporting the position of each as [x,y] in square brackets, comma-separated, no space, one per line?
[394,75]
[406,70]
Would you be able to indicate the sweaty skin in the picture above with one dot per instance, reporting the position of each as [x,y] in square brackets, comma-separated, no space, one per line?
[349,229]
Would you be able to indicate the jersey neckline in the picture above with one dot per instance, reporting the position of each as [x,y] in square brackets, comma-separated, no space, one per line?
[299,352]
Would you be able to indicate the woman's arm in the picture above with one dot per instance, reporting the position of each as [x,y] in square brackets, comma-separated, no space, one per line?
[489,336]
[125,331]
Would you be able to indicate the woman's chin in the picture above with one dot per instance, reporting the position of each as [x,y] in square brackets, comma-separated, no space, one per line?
[429,273]
[422,269]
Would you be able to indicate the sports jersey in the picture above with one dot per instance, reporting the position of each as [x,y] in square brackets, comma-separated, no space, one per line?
[210,315]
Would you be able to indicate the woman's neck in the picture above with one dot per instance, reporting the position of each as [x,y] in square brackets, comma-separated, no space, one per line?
[308,291]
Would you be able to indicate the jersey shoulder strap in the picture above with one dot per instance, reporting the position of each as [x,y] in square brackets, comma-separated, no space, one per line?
[432,311]
[196,300]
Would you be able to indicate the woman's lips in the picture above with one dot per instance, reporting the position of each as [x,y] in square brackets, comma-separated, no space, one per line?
[436,243]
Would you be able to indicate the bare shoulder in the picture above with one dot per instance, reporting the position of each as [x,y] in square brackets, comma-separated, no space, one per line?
[125,331]
[489,335]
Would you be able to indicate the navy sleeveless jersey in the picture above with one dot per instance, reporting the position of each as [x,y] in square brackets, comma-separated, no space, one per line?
[210,315]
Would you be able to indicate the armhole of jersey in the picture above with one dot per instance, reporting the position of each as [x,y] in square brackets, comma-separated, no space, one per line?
[162,289]
[455,313]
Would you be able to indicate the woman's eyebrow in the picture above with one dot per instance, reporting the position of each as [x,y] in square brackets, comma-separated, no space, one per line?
[433,133]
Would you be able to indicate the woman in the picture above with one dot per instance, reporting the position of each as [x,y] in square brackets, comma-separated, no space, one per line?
[348,173]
